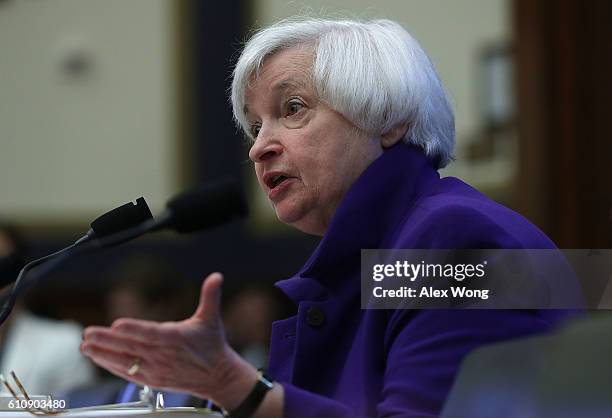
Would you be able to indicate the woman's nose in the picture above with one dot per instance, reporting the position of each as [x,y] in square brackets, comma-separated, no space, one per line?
[265,147]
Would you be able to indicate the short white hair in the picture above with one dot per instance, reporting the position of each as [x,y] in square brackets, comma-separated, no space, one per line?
[374,73]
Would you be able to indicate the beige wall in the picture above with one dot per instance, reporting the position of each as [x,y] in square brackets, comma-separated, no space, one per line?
[76,146]
[72,147]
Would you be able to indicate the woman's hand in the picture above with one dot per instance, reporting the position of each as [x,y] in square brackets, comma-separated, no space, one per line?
[187,356]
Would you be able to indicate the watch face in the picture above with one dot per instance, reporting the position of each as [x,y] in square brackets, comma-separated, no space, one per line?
[266,381]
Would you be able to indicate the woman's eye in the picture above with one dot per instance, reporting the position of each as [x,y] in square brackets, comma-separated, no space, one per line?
[255,130]
[294,106]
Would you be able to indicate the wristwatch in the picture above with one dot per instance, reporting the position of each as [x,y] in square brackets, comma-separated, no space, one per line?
[263,385]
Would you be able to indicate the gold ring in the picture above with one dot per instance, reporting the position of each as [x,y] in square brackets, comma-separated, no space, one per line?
[134,367]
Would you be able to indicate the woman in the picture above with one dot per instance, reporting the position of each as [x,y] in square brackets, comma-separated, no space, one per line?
[349,124]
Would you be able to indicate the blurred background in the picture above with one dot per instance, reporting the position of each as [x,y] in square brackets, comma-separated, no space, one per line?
[105,101]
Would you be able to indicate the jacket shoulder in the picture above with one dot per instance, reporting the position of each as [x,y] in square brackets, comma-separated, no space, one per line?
[458,216]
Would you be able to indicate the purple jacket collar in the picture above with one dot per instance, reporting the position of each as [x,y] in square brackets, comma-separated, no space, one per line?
[382,195]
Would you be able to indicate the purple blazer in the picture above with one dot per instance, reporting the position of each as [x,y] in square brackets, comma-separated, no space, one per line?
[336,360]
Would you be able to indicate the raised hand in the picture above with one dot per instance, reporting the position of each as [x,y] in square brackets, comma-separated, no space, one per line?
[186,356]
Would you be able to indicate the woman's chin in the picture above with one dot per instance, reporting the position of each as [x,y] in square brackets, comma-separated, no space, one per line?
[304,224]
[286,215]
[296,214]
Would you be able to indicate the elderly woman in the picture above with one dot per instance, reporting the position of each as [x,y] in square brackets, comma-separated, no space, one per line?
[349,123]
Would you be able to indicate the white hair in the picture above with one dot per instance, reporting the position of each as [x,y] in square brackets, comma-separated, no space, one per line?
[374,73]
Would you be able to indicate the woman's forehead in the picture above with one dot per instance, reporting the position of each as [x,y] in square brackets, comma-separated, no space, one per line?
[289,69]
[291,64]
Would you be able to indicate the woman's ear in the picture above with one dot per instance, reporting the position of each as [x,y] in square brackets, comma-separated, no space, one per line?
[393,135]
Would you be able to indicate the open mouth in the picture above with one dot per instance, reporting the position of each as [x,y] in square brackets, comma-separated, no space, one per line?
[277,180]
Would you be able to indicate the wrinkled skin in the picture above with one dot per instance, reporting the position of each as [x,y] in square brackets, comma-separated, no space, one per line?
[188,356]
[319,150]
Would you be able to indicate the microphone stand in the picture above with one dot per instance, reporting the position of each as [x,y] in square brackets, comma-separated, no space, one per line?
[220,202]
[59,258]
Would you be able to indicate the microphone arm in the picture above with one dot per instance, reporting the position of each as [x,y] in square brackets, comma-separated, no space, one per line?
[9,297]
[58,258]
[190,211]
[107,224]
[52,261]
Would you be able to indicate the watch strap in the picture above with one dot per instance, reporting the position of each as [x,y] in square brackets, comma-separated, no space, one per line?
[248,407]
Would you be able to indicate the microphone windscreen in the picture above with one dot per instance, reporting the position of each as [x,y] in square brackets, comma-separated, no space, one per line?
[122,218]
[207,206]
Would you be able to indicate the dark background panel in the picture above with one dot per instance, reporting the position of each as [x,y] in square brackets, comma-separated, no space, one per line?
[564,85]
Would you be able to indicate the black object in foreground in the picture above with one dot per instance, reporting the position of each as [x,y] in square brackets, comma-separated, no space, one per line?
[119,219]
[196,209]
[111,222]
[200,208]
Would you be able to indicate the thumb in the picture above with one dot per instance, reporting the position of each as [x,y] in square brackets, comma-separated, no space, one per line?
[210,298]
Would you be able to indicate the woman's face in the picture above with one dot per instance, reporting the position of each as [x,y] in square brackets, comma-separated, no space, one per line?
[306,155]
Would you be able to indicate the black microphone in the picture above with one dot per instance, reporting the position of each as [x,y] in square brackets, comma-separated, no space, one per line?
[205,207]
[111,222]
[115,220]
[118,219]
[200,208]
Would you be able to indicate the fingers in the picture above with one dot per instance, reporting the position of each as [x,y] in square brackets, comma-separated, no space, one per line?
[112,364]
[163,367]
[210,298]
[144,331]
[115,362]
[170,353]
[119,354]
[113,351]
[109,339]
